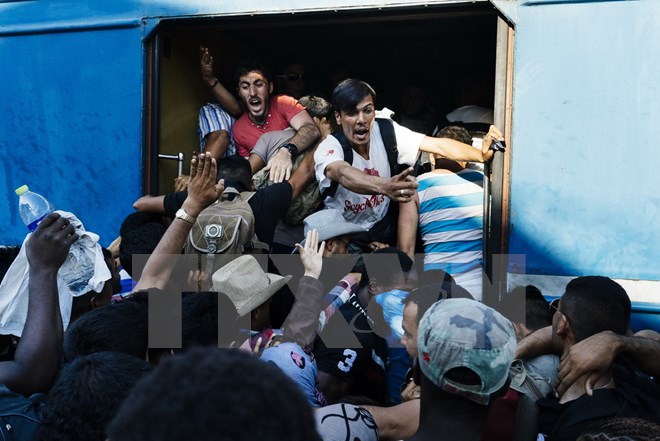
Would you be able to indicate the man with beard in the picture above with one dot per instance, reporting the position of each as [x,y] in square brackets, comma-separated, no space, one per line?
[260,113]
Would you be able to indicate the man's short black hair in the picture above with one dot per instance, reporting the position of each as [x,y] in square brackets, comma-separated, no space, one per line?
[87,394]
[316,106]
[387,268]
[425,296]
[348,94]
[248,66]
[594,304]
[139,239]
[215,395]
[201,313]
[121,327]
[236,168]
[456,133]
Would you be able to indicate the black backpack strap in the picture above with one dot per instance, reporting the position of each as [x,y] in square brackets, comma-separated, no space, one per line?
[348,157]
[389,139]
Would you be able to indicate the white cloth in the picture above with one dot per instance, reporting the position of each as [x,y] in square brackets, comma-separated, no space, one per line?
[14,287]
[364,209]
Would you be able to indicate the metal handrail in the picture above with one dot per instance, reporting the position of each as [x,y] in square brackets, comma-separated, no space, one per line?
[180,158]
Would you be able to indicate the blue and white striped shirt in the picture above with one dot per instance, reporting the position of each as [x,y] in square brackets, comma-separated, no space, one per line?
[451,225]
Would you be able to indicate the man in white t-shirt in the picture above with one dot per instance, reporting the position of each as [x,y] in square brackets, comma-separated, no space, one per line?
[366,186]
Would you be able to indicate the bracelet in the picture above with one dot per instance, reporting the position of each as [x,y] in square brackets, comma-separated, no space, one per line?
[215,84]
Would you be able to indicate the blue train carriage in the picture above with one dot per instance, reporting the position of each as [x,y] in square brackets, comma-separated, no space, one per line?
[101,99]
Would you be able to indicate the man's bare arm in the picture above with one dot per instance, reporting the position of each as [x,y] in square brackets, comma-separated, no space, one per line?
[220,92]
[202,192]
[457,151]
[396,422]
[306,135]
[407,226]
[537,343]
[217,143]
[150,204]
[37,357]
[399,188]
[594,357]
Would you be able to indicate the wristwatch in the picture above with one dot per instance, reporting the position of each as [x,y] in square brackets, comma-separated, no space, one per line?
[291,147]
[181,214]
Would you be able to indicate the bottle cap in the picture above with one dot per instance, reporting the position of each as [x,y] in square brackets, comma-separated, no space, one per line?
[22,189]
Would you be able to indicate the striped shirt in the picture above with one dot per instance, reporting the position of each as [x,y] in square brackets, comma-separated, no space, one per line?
[451,225]
[212,117]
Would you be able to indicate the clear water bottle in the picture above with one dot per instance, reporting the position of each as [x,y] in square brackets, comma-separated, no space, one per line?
[32,207]
[78,268]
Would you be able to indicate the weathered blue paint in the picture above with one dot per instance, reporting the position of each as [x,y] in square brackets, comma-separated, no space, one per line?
[586,106]
[71,111]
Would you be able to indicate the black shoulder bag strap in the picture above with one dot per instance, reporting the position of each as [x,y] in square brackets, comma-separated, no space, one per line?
[389,139]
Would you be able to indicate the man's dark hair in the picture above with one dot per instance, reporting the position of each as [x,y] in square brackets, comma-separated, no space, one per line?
[248,66]
[594,304]
[425,296]
[537,309]
[235,168]
[456,133]
[87,394]
[142,239]
[201,313]
[387,269]
[348,94]
[121,327]
[316,106]
[215,394]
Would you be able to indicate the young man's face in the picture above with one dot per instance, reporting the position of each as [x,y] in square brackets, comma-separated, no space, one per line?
[409,324]
[255,89]
[357,123]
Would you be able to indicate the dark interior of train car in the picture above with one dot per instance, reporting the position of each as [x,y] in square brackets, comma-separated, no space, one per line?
[449,51]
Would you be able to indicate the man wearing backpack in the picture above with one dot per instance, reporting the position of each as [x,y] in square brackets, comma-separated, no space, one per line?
[357,166]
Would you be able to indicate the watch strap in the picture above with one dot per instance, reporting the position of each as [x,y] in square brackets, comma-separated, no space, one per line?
[181,214]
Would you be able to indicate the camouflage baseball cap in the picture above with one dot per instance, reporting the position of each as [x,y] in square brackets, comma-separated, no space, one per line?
[466,333]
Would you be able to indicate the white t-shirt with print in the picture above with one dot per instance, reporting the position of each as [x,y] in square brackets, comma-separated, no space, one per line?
[364,209]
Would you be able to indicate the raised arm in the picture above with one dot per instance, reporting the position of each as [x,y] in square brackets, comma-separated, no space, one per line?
[537,343]
[220,92]
[399,188]
[37,357]
[303,320]
[457,151]
[306,135]
[202,192]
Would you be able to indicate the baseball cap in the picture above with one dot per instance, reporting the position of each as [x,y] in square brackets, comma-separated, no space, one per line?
[465,333]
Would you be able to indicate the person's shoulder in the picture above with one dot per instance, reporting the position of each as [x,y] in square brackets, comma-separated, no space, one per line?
[286,100]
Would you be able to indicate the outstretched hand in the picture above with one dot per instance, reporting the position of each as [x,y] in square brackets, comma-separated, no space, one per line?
[48,247]
[492,135]
[311,254]
[206,66]
[202,188]
[280,165]
[402,187]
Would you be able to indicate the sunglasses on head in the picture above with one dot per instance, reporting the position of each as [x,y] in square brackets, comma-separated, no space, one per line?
[554,306]
[292,77]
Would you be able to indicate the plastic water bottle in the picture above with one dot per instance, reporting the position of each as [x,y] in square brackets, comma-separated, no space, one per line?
[78,268]
[32,207]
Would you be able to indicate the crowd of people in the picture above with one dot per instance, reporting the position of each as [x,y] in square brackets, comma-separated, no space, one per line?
[277,296]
